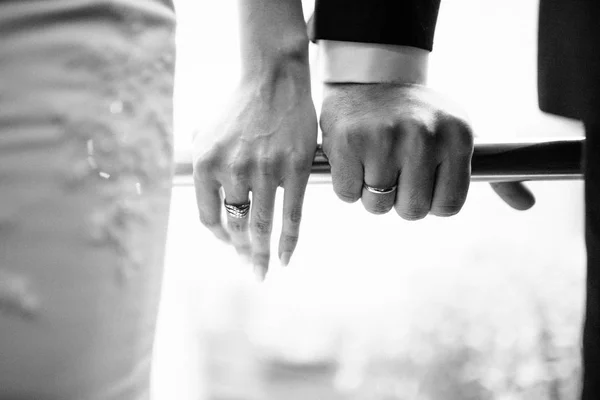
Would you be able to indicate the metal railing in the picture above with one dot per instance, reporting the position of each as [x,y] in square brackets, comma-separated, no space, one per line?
[556,159]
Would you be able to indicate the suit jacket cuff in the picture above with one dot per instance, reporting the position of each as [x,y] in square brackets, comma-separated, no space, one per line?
[352,62]
[396,22]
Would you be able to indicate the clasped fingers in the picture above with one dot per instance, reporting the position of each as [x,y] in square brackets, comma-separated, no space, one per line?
[414,165]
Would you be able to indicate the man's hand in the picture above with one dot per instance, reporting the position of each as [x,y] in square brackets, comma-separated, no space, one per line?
[266,138]
[407,135]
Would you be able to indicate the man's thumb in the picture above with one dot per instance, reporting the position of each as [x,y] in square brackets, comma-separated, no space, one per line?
[515,194]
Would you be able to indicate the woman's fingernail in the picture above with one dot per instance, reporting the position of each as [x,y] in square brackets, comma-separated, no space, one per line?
[285,258]
[260,272]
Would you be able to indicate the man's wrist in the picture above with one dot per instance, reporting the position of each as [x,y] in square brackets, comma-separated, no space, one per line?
[352,62]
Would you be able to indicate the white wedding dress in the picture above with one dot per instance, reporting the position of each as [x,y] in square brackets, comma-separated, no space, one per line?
[85,181]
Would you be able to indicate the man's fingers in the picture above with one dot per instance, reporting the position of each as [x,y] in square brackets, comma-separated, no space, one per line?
[261,225]
[415,190]
[209,208]
[451,186]
[293,200]
[515,194]
[380,173]
[347,177]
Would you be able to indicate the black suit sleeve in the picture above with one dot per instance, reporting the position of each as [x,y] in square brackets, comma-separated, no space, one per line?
[398,22]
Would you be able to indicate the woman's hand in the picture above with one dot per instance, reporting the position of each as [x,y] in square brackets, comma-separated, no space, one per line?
[266,138]
[405,137]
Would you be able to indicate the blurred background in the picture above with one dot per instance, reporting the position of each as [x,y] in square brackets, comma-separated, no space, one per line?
[484,305]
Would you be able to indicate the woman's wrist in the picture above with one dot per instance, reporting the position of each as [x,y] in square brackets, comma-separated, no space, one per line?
[278,61]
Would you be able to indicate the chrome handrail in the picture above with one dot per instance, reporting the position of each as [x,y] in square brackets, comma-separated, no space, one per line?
[533,160]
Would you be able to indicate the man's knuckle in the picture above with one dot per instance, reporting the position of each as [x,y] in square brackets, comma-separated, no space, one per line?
[457,134]
[329,119]
[355,137]
[426,138]
[327,147]
[417,137]
[464,142]
[387,135]
[389,127]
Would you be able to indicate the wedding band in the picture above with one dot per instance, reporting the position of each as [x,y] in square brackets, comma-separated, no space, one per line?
[378,190]
[237,210]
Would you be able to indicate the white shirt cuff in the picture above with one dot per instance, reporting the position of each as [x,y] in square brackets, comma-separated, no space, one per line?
[353,62]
